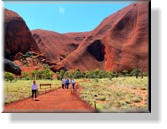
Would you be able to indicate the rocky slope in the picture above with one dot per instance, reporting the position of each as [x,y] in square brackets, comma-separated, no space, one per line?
[17,41]
[17,36]
[119,42]
[55,46]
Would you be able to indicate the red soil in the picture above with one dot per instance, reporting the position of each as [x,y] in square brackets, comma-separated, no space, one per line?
[60,100]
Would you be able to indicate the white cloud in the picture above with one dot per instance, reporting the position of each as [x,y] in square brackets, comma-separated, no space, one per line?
[61,10]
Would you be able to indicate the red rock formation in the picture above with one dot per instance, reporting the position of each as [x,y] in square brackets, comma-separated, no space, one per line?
[18,38]
[119,42]
[127,42]
[55,46]
[31,65]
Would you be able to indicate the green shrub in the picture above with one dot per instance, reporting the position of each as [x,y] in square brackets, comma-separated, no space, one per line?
[125,72]
[145,74]
[25,76]
[115,74]
[77,74]
[47,74]
[98,74]
[23,58]
[9,76]
[68,74]
[88,74]
[27,54]
[135,72]
[60,74]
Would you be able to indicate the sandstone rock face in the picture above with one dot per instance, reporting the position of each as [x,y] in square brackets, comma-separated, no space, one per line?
[55,46]
[17,37]
[126,44]
[119,42]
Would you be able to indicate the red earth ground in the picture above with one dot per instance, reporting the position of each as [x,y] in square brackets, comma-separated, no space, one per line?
[60,100]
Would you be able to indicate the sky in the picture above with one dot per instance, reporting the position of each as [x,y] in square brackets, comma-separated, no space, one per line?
[64,17]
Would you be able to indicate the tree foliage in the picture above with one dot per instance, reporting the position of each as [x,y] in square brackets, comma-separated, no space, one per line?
[125,72]
[135,72]
[42,74]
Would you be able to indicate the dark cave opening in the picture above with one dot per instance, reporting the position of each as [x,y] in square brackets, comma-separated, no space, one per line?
[96,49]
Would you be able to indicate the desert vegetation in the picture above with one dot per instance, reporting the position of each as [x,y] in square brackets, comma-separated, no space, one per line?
[45,74]
[99,74]
[117,95]
[104,91]
[20,89]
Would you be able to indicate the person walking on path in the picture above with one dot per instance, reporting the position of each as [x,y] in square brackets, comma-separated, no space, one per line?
[34,90]
[73,83]
[67,83]
[63,83]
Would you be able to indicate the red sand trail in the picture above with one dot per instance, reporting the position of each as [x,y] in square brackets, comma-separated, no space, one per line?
[60,100]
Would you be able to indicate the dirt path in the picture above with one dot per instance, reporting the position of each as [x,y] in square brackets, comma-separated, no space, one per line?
[60,100]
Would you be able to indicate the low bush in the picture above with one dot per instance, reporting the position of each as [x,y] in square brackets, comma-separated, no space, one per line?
[9,76]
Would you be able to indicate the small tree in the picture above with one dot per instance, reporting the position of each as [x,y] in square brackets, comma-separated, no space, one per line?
[142,74]
[125,73]
[87,74]
[115,74]
[98,74]
[68,74]
[47,74]
[145,74]
[77,74]
[25,76]
[135,72]
[60,74]
[110,75]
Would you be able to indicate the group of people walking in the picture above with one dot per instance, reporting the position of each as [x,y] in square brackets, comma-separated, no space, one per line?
[66,83]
